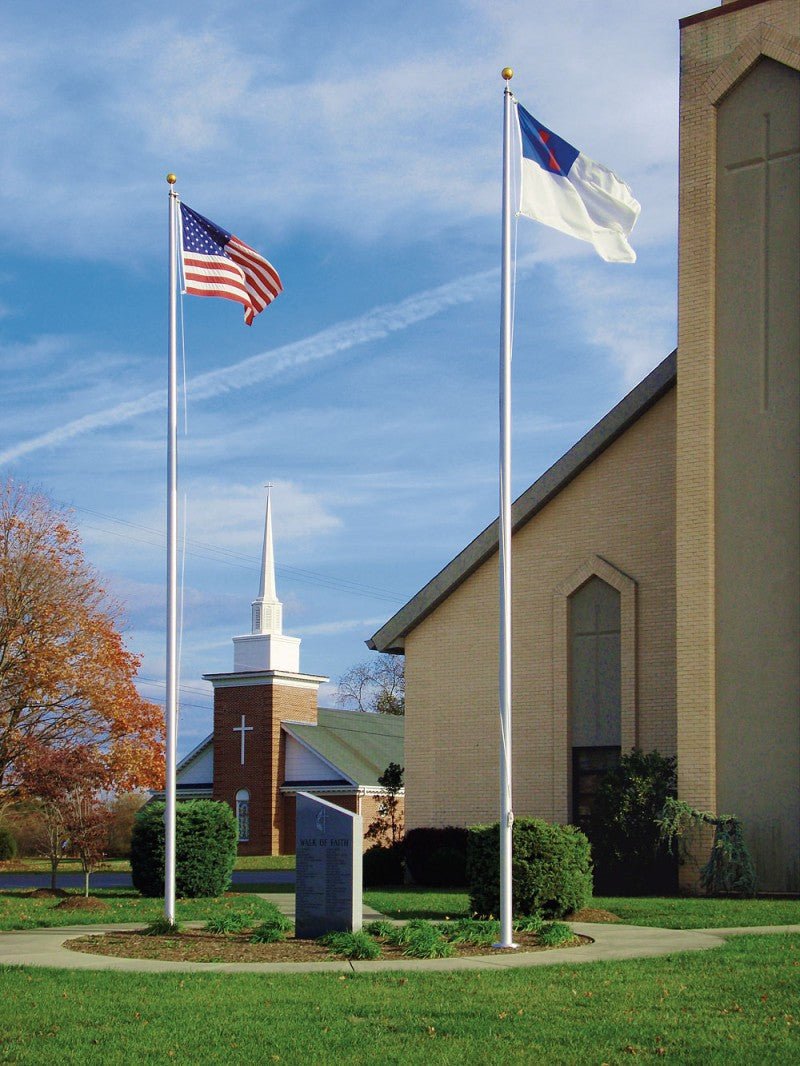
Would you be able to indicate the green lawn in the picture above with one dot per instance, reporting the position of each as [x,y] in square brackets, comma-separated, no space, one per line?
[703,913]
[18,911]
[678,913]
[736,1004]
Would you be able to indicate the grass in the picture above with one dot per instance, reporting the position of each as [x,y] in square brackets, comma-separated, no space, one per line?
[18,911]
[672,913]
[73,866]
[735,1004]
[691,913]
[411,901]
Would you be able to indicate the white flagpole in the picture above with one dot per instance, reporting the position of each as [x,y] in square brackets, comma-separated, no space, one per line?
[506,324]
[172,561]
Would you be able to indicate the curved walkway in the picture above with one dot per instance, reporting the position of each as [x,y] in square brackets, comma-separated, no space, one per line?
[45,947]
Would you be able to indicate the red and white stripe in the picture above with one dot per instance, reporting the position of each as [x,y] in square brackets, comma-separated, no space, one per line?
[246,277]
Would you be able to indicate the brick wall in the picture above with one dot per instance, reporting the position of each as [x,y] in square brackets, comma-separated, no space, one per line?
[264,707]
[716,50]
[620,509]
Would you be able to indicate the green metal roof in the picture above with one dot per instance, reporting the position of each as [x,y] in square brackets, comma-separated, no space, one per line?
[359,745]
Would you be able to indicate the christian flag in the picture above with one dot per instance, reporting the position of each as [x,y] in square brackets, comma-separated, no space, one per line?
[565,189]
[215,263]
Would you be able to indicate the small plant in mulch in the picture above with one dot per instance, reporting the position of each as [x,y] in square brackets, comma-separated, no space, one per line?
[470,931]
[275,927]
[554,934]
[230,922]
[528,923]
[381,927]
[358,945]
[426,942]
[161,927]
[267,934]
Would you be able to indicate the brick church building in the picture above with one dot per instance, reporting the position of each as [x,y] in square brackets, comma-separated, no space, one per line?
[656,565]
[270,739]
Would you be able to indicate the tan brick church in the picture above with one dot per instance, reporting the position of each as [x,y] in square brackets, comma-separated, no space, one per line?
[270,739]
[657,564]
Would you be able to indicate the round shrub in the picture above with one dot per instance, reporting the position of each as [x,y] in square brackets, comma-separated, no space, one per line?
[205,849]
[383,865]
[8,844]
[551,868]
[437,857]
[630,856]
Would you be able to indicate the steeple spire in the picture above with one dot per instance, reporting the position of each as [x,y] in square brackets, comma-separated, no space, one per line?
[265,648]
[267,610]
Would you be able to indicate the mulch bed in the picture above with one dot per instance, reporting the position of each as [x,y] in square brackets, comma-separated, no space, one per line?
[196,945]
[82,903]
[592,914]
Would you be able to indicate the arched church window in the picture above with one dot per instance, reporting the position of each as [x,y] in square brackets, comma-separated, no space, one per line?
[243,814]
[595,690]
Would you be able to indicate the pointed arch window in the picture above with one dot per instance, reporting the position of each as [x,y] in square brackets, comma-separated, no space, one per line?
[594,674]
[243,814]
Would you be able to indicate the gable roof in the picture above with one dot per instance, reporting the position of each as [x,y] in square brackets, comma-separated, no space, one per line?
[391,636]
[360,746]
[195,754]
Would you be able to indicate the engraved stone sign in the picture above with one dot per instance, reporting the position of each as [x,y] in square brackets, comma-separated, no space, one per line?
[328,877]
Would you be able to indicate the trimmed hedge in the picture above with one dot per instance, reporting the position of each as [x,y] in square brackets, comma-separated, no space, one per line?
[437,857]
[8,844]
[551,868]
[205,849]
[383,865]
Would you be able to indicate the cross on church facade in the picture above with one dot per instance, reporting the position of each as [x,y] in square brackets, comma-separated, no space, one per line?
[764,165]
[243,729]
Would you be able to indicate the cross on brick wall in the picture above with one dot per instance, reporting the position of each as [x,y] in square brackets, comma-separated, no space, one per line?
[243,729]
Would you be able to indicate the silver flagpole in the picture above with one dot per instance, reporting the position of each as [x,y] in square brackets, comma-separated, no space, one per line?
[506,812]
[172,561]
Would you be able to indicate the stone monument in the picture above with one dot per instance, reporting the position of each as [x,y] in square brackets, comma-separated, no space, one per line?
[328,877]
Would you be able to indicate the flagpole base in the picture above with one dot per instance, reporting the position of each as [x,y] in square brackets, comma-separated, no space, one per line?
[508,947]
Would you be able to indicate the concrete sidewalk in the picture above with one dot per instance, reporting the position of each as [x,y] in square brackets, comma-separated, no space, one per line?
[45,947]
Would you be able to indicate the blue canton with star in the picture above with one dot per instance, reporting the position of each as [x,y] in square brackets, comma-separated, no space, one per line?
[201,235]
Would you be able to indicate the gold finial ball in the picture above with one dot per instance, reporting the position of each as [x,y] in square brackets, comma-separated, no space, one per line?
[172,178]
[507,73]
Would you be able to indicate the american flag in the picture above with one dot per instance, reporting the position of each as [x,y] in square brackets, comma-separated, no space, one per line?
[215,263]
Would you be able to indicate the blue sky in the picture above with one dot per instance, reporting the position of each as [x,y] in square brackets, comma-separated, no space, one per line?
[357,146]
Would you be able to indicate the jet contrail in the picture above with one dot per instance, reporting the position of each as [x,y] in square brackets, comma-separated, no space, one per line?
[374,325]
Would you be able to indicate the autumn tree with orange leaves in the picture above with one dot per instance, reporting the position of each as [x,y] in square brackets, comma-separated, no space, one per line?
[66,679]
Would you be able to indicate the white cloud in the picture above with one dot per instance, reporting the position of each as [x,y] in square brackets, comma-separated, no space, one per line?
[231,516]
[395,124]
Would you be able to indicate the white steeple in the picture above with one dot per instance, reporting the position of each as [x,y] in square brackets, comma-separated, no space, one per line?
[267,610]
[265,647]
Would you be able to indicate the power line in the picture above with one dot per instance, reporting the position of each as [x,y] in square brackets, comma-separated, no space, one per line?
[228,556]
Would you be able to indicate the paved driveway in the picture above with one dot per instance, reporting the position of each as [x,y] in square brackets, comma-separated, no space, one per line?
[118,880]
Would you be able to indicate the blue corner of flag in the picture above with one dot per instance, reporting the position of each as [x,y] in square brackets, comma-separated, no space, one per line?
[544,147]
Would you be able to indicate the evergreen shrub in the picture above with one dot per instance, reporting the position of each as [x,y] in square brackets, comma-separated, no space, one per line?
[383,865]
[437,857]
[205,849]
[630,855]
[8,844]
[551,868]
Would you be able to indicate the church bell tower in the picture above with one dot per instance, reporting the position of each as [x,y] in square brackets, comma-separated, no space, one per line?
[265,688]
